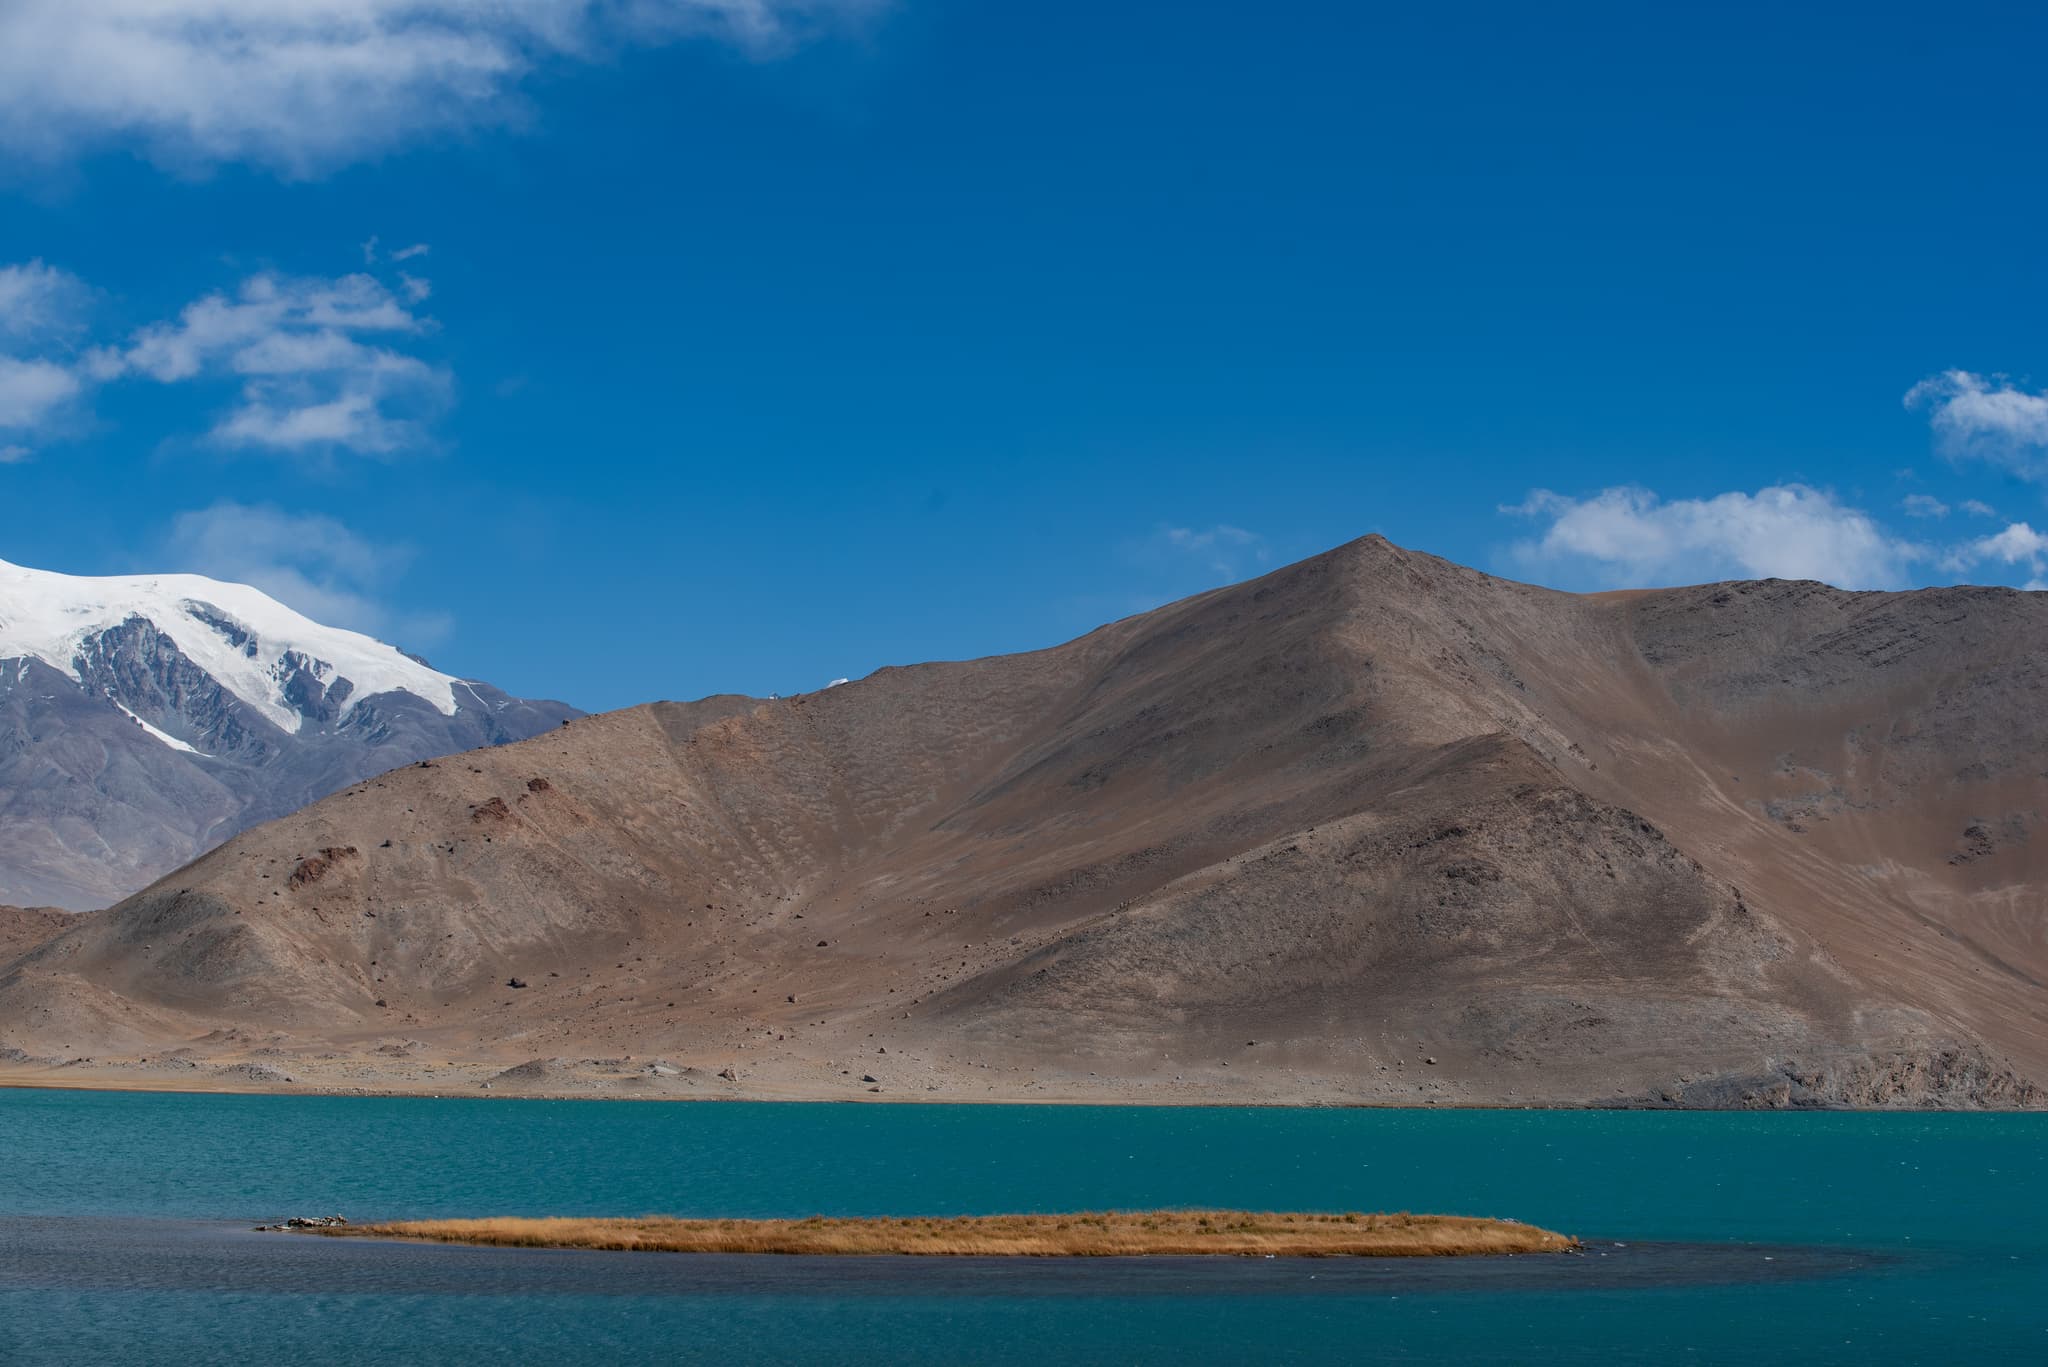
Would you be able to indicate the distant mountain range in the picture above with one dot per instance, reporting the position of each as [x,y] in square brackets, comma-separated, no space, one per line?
[1373,828]
[145,719]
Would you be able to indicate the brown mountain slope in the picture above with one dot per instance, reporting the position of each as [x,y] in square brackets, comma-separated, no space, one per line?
[23,928]
[1413,832]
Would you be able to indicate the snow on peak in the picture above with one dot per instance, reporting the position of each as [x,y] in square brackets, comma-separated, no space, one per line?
[237,634]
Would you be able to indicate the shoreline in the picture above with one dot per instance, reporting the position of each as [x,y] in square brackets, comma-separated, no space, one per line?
[215,1087]
[798,1097]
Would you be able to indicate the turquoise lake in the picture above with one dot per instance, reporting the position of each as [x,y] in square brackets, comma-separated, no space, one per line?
[1712,1237]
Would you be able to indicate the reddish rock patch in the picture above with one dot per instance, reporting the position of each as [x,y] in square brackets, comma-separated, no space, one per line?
[315,867]
[494,810]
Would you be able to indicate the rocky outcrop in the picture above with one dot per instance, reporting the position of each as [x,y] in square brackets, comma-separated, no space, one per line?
[137,668]
[1948,1077]
[303,1222]
[315,867]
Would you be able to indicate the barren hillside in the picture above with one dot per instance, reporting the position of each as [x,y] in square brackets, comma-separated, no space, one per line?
[1372,828]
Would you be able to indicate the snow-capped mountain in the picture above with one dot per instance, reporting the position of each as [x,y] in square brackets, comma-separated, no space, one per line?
[145,719]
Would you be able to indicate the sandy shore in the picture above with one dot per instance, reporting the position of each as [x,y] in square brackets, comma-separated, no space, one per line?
[65,1079]
[857,1073]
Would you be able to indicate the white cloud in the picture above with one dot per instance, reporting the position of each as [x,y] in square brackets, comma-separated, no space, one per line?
[373,251]
[41,308]
[305,85]
[317,360]
[1629,537]
[1986,417]
[322,365]
[306,560]
[32,392]
[2019,545]
[15,455]
[1923,505]
[39,302]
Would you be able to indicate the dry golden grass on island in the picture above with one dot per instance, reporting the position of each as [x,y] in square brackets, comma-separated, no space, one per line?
[1107,1234]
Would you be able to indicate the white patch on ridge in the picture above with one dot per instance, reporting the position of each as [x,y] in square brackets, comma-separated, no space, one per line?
[50,616]
[163,736]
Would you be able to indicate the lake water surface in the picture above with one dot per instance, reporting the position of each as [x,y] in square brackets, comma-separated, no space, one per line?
[1712,1237]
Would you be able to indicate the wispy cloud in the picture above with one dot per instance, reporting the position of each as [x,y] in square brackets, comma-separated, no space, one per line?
[309,561]
[42,310]
[32,392]
[15,455]
[373,251]
[1986,418]
[1223,550]
[306,85]
[1171,562]
[39,302]
[1923,505]
[319,363]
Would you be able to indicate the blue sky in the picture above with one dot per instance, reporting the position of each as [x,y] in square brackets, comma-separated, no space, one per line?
[652,348]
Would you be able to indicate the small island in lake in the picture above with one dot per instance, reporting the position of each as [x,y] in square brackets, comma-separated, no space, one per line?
[1093,1235]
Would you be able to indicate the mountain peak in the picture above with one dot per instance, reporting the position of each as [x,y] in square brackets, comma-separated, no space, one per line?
[255,647]
[165,712]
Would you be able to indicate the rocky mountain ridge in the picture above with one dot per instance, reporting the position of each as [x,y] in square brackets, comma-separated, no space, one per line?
[145,719]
